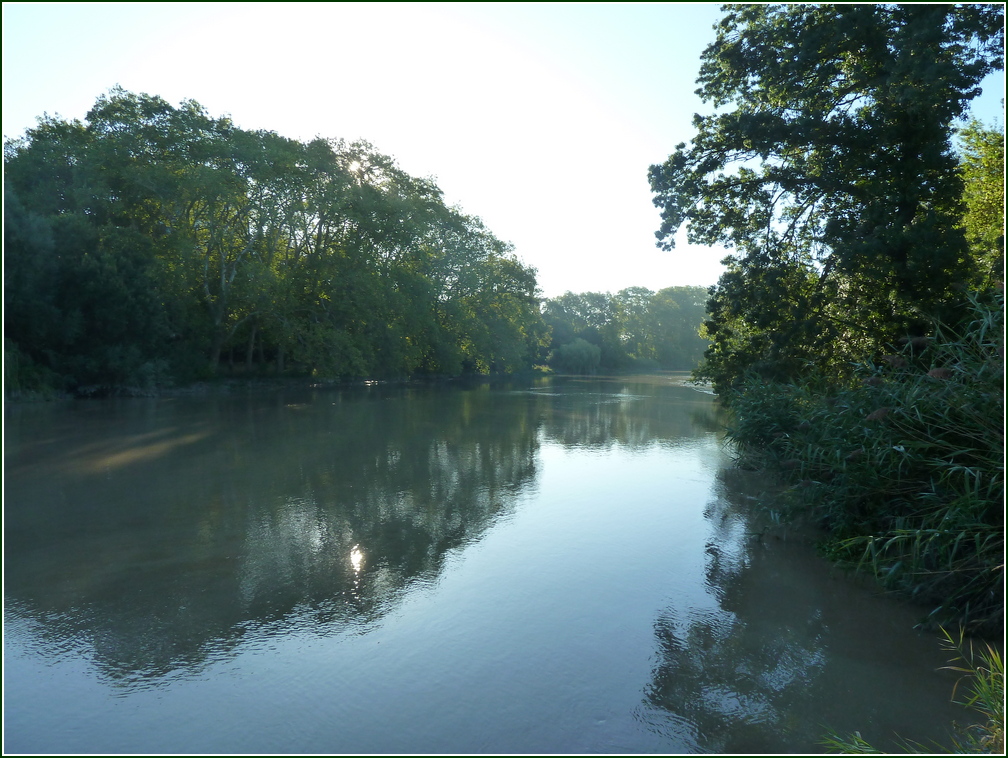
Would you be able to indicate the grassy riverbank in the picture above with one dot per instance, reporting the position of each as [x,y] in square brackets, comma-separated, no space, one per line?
[903,467]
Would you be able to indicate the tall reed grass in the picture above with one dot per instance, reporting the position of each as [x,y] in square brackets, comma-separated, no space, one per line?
[904,467]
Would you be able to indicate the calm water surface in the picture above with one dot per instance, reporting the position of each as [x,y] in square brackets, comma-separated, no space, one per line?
[558,566]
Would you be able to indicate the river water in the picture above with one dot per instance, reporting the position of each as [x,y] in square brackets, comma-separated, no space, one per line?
[559,565]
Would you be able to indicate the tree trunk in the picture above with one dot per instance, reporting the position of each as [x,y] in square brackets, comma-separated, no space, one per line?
[251,347]
[215,351]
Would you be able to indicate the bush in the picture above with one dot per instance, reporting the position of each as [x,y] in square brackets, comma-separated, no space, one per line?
[24,379]
[577,357]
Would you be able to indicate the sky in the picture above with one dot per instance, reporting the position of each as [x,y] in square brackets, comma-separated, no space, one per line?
[540,118]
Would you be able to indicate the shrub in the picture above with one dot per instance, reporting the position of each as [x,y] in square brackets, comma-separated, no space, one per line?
[578,357]
[25,379]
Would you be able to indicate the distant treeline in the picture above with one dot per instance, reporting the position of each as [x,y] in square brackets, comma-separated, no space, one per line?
[153,244]
[633,329]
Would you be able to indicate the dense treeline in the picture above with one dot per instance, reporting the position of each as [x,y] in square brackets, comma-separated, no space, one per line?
[151,244]
[633,329]
[857,335]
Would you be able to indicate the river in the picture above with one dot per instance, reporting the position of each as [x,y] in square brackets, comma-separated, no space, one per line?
[551,566]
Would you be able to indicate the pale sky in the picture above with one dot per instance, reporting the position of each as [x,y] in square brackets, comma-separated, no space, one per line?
[542,119]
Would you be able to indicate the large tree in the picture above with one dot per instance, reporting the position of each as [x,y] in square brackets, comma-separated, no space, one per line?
[828,167]
[153,238]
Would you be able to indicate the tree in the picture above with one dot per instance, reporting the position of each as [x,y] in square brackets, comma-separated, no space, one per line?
[828,167]
[578,357]
[154,233]
[179,176]
[983,171]
[595,317]
[82,289]
[487,304]
[633,328]
[638,334]
[677,315]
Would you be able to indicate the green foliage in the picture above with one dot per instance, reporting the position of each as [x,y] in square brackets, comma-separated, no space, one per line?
[154,240]
[771,318]
[633,329]
[983,171]
[577,357]
[852,744]
[591,316]
[985,694]
[23,378]
[905,467]
[828,166]
[674,319]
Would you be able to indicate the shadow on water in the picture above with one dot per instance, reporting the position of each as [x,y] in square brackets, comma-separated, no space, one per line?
[790,647]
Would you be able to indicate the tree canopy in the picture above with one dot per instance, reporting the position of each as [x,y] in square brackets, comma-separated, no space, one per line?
[983,170]
[828,167]
[633,329]
[152,241]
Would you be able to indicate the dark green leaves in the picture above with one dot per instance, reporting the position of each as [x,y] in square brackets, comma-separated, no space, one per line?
[154,233]
[829,163]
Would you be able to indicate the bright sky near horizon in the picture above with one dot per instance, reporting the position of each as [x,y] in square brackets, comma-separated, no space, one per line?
[541,118]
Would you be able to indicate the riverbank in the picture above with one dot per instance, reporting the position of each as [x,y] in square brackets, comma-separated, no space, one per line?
[231,384]
[905,468]
[239,382]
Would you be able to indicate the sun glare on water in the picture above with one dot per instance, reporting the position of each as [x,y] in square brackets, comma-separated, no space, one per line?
[356,558]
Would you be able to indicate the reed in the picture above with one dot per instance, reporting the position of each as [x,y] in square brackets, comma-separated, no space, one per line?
[983,672]
[904,466]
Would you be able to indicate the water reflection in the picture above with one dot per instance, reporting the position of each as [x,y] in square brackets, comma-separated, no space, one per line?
[220,557]
[601,413]
[159,535]
[780,654]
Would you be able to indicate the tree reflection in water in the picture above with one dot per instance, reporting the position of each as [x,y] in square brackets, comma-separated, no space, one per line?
[162,534]
[762,666]
[318,513]
[201,546]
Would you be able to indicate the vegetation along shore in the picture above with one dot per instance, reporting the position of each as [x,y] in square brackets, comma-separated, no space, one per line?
[856,338]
